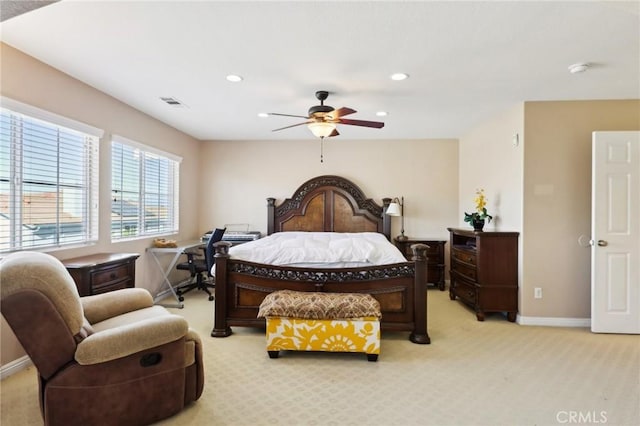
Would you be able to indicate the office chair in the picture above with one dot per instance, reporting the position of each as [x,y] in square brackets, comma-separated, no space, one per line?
[199,266]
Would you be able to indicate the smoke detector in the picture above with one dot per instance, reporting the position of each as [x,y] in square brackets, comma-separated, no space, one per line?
[578,68]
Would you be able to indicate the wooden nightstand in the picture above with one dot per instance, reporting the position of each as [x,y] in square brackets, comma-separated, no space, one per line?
[102,272]
[435,258]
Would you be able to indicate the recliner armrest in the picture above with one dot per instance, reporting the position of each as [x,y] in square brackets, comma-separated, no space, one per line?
[122,341]
[107,305]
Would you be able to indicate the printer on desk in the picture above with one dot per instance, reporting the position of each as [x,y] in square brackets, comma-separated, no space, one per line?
[236,237]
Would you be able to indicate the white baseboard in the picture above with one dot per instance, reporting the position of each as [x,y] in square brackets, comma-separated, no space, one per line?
[14,367]
[555,321]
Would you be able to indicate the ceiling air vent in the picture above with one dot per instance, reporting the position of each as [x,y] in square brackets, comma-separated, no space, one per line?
[173,102]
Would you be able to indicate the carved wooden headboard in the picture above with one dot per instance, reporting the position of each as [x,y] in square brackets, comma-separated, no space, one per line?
[328,204]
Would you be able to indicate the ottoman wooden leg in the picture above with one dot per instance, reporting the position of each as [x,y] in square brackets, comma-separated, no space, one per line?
[273,354]
[372,357]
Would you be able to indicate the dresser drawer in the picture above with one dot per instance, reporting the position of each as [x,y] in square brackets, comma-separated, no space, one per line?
[466,256]
[465,270]
[463,289]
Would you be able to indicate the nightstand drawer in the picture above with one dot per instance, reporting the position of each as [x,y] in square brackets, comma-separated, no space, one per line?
[466,256]
[107,276]
[112,285]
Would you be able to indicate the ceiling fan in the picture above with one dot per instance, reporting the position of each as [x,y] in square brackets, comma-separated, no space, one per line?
[322,119]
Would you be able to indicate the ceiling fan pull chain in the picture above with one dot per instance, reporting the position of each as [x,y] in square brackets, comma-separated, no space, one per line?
[322,149]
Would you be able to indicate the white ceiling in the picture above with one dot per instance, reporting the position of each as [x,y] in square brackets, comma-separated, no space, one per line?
[466,60]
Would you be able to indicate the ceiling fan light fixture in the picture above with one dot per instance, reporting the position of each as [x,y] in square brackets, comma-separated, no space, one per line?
[382,113]
[321,129]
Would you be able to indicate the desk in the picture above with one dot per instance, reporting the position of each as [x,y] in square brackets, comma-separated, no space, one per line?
[175,252]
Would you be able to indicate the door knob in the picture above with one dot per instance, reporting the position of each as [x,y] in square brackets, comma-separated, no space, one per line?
[602,243]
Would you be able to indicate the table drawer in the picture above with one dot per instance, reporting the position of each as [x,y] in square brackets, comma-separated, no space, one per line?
[466,256]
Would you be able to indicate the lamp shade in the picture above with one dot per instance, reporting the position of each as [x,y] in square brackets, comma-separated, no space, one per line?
[321,129]
[393,209]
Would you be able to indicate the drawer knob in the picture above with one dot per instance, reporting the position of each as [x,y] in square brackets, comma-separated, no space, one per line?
[113,275]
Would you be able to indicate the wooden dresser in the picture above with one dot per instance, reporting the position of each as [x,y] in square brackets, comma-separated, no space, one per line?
[484,271]
[435,257]
[102,272]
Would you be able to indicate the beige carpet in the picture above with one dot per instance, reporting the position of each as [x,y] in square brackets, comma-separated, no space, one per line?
[473,373]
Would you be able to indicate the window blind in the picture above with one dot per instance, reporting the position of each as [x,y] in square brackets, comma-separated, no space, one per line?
[48,181]
[144,185]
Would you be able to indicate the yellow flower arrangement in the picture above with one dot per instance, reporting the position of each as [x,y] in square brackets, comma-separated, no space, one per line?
[481,209]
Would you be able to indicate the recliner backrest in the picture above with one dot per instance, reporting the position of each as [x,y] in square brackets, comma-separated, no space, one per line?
[216,236]
[41,305]
[44,273]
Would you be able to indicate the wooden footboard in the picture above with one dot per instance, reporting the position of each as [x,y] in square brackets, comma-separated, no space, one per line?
[400,288]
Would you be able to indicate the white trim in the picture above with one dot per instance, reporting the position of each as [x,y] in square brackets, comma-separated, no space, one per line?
[44,115]
[146,148]
[555,321]
[15,366]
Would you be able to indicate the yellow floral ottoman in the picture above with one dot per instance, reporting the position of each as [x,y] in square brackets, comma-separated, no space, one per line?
[328,322]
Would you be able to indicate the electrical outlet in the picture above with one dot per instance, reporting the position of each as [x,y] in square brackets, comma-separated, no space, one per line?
[537,292]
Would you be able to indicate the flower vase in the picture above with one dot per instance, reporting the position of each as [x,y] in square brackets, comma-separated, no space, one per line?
[478,224]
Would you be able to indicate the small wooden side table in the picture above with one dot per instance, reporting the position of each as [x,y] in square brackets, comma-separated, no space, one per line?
[102,272]
[435,257]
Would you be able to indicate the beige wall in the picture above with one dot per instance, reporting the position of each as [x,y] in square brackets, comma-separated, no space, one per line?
[491,158]
[238,176]
[542,189]
[557,200]
[27,80]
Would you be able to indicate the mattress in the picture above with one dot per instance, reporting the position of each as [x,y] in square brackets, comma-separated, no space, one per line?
[320,249]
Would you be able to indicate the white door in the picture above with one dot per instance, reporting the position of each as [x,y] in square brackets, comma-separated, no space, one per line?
[615,233]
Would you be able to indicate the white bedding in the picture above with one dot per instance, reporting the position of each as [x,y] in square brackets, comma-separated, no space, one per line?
[315,249]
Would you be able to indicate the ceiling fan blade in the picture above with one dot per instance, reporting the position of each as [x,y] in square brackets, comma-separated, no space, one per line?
[293,125]
[363,123]
[287,115]
[341,112]
[334,133]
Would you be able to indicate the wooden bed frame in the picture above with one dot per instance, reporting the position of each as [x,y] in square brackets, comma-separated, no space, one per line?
[324,204]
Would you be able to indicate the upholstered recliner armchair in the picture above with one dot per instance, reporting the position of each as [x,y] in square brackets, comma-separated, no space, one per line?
[112,358]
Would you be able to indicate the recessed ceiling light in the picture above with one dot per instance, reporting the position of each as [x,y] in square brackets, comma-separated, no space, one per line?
[578,68]
[399,76]
[234,78]
[263,114]
[381,113]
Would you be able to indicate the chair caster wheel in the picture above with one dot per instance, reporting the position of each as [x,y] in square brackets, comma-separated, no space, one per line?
[210,298]
[180,299]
